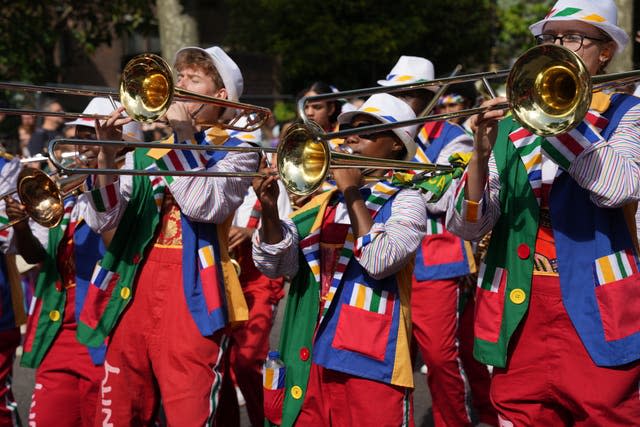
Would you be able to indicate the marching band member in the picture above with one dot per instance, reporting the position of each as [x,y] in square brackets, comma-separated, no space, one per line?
[324,113]
[458,97]
[345,342]
[165,290]
[557,300]
[68,374]
[442,260]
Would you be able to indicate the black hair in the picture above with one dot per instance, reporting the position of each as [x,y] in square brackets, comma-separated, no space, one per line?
[320,87]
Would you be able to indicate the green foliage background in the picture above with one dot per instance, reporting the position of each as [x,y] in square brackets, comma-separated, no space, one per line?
[353,43]
[348,43]
[31,31]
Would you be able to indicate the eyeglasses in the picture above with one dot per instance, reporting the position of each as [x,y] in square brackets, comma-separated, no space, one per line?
[570,41]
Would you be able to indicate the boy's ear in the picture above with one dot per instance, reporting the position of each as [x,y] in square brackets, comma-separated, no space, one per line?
[398,146]
[222,93]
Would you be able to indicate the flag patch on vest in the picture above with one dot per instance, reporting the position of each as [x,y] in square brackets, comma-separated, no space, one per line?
[157,188]
[491,283]
[209,278]
[490,303]
[528,147]
[205,254]
[435,226]
[310,247]
[102,277]
[105,198]
[614,267]
[98,296]
[366,298]
[4,234]
[273,378]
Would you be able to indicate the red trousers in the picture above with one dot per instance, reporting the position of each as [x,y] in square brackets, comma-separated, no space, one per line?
[477,373]
[342,400]
[66,378]
[437,332]
[248,348]
[157,350]
[9,340]
[550,380]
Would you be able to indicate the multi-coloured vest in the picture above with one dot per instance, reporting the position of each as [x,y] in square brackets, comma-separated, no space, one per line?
[441,255]
[364,325]
[597,260]
[211,287]
[49,302]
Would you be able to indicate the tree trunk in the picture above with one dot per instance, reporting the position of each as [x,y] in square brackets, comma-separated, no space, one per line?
[624,61]
[177,27]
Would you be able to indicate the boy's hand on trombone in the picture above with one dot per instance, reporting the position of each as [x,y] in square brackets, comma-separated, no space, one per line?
[111,130]
[486,127]
[266,186]
[15,210]
[267,190]
[346,178]
[181,121]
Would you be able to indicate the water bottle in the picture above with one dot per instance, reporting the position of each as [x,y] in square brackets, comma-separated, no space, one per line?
[273,361]
[273,385]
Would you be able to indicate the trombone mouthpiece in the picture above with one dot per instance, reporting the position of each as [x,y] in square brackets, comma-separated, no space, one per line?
[343,148]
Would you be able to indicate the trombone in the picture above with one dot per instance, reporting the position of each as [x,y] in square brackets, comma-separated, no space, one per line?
[66,159]
[548,90]
[304,161]
[146,91]
[42,197]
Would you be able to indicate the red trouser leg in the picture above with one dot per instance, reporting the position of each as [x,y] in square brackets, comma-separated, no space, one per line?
[342,400]
[248,348]
[66,378]
[434,314]
[9,340]
[477,373]
[158,347]
[550,379]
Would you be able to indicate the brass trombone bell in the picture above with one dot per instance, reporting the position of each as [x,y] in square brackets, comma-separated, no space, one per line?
[304,160]
[549,90]
[42,197]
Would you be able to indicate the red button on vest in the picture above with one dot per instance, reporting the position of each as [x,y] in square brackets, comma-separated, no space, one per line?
[304,354]
[523,251]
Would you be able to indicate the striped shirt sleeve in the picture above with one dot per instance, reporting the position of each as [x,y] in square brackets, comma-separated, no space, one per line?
[279,259]
[105,215]
[208,199]
[610,170]
[389,246]
[472,220]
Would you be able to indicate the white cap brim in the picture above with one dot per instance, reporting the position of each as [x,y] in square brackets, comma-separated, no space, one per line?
[401,132]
